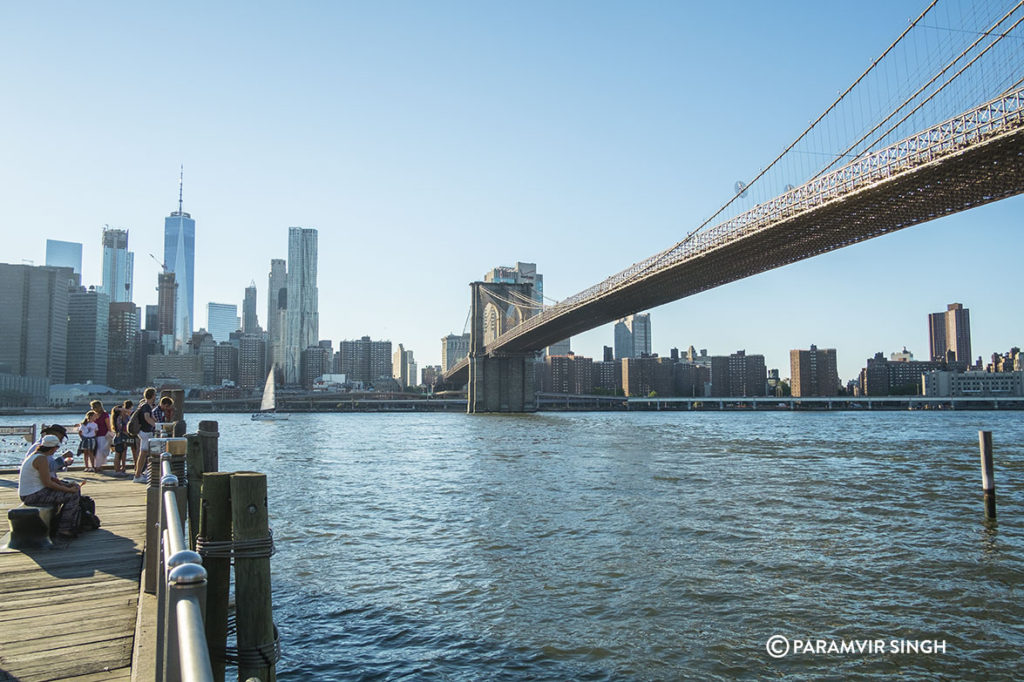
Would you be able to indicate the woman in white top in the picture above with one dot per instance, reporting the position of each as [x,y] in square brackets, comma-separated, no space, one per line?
[36,487]
[87,446]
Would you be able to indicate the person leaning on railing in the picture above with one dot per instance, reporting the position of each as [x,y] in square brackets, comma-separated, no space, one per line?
[38,488]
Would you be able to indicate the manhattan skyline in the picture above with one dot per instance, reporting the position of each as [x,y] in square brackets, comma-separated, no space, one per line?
[429,144]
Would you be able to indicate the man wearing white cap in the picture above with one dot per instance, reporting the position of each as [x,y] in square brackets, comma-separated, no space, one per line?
[37,487]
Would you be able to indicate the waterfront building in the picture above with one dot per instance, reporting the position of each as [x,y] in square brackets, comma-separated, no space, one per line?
[34,310]
[88,324]
[302,325]
[250,323]
[118,266]
[949,335]
[747,375]
[454,347]
[947,384]
[606,376]
[568,374]
[148,344]
[813,372]
[166,303]
[691,380]
[895,377]
[185,368]
[221,320]
[19,391]
[363,360]
[316,362]
[645,375]
[609,354]
[718,372]
[60,254]
[277,305]
[123,331]
[633,336]
[180,259]
[701,359]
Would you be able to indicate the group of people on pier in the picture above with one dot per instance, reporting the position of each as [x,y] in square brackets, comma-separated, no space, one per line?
[126,427]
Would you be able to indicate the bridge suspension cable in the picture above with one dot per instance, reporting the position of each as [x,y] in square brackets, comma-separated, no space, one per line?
[809,128]
[906,102]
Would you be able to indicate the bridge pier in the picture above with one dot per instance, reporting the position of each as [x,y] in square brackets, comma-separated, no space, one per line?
[502,384]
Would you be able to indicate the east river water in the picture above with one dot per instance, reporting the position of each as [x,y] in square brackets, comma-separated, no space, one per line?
[640,546]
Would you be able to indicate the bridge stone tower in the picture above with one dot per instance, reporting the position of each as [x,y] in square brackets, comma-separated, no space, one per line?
[502,382]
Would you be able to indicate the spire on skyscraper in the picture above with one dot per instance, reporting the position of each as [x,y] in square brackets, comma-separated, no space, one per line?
[181,182]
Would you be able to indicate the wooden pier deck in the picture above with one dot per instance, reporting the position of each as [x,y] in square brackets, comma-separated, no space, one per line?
[70,613]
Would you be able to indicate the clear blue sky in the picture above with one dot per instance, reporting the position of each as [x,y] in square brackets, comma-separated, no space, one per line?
[430,141]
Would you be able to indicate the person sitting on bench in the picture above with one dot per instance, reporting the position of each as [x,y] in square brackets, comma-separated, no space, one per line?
[37,488]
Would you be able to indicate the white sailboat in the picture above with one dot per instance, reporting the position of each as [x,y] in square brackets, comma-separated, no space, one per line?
[268,406]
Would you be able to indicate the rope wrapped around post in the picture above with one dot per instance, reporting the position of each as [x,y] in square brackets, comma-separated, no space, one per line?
[259,548]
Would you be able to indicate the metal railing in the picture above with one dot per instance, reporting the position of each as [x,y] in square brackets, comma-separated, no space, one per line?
[182,654]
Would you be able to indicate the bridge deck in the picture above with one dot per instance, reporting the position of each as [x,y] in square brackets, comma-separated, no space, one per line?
[69,613]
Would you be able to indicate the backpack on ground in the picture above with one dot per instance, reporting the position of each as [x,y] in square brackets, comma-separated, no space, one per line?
[87,519]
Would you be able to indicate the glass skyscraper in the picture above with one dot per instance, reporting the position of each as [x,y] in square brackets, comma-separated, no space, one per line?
[302,322]
[118,266]
[64,255]
[180,258]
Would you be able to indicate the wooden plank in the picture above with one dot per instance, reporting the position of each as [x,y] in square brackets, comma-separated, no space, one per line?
[49,598]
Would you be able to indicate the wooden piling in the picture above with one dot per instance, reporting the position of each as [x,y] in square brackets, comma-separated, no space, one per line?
[194,467]
[253,607]
[988,481]
[209,434]
[215,526]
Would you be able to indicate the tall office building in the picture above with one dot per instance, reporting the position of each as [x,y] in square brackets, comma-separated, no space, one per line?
[454,347]
[315,362]
[34,310]
[180,258]
[88,322]
[118,266]
[221,320]
[225,364]
[64,255]
[633,336]
[561,348]
[813,372]
[302,325]
[249,320]
[949,335]
[277,306]
[123,345]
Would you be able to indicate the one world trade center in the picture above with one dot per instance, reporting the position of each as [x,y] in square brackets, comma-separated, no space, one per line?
[180,258]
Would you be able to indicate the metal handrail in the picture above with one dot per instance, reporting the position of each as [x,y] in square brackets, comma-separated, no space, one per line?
[182,653]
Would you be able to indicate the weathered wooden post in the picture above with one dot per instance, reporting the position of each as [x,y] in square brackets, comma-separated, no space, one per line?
[215,527]
[194,467]
[988,481]
[209,434]
[256,646]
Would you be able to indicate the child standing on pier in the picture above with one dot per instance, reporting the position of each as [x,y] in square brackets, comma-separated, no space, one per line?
[87,446]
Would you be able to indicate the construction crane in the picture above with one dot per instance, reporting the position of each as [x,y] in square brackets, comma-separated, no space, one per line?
[159,262]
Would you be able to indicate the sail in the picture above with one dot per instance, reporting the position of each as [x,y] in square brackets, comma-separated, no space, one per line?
[268,394]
